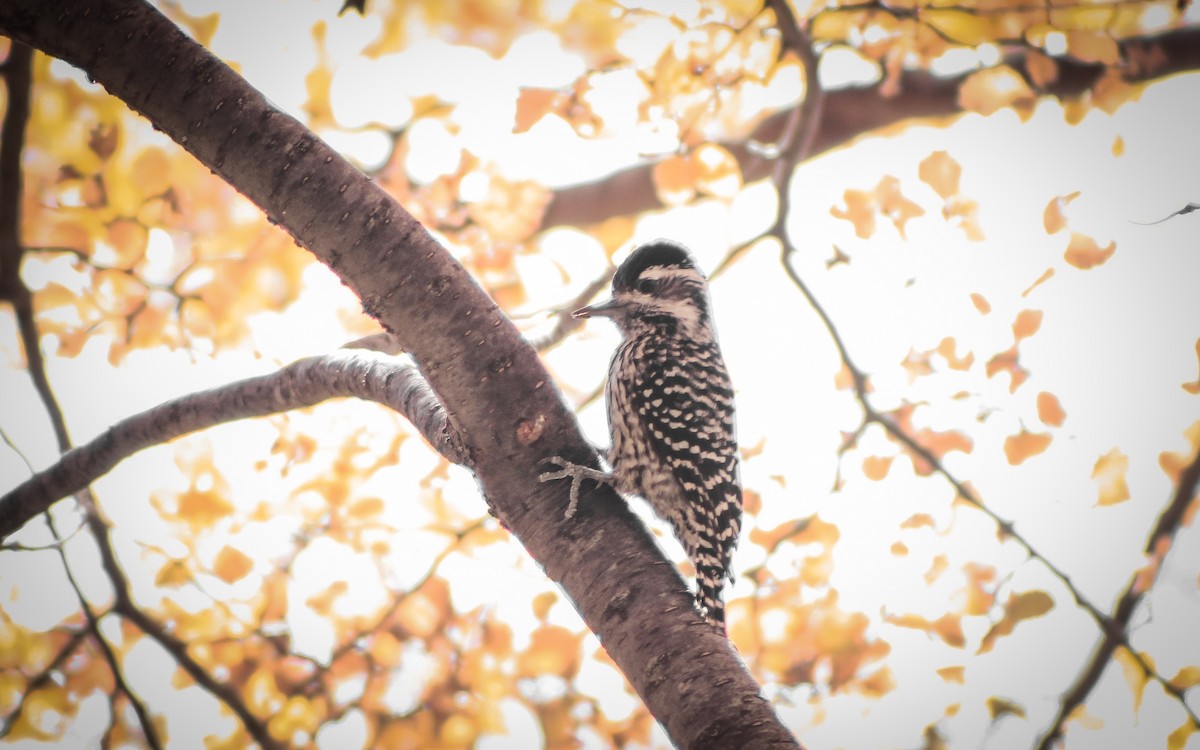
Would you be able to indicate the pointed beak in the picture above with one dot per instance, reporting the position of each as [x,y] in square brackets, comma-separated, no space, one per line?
[603,310]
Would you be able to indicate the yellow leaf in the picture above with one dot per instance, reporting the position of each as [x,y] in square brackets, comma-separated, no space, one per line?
[1109,473]
[859,211]
[262,695]
[992,89]
[1178,739]
[876,467]
[173,574]
[1194,387]
[1042,69]
[150,172]
[1135,676]
[1092,46]
[952,674]
[1083,252]
[941,172]
[542,604]
[999,707]
[553,650]
[1025,445]
[1083,18]
[299,715]
[835,25]
[962,27]
[1118,146]
[1186,678]
[1024,606]
[232,564]
[202,508]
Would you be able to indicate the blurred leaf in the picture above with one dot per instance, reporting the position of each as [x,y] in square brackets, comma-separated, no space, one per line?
[989,90]
[1050,411]
[1024,606]
[1001,707]
[1025,445]
[1109,472]
[1194,386]
[232,564]
[1178,739]
[1135,676]
[952,674]
[1084,253]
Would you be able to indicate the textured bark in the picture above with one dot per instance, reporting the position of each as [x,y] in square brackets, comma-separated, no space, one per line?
[492,383]
[847,114]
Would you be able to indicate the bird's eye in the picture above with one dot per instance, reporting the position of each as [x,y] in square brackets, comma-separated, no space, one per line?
[647,286]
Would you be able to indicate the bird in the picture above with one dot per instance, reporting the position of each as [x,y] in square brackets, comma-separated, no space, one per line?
[670,413]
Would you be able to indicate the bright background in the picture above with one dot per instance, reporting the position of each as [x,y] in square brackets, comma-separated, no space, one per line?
[887,554]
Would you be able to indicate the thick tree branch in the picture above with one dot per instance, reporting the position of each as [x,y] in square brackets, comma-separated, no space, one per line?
[348,373]
[491,382]
[848,113]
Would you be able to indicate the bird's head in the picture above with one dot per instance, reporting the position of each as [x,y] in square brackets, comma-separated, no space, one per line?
[658,289]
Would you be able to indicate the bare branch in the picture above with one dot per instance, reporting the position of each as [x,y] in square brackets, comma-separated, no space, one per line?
[354,373]
[1168,524]
[565,323]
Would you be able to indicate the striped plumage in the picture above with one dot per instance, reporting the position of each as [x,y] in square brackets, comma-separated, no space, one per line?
[671,412]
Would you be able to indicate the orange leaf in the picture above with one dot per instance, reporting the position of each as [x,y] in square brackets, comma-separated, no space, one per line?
[1053,217]
[1050,411]
[981,303]
[534,104]
[1006,361]
[1084,253]
[1027,323]
[859,211]
[1043,70]
[941,172]
[1049,272]
[1025,445]
[1109,473]
[876,467]
[918,520]
[232,564]
[675,180]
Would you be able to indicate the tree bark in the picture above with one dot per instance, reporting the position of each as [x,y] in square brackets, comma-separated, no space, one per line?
[499,397]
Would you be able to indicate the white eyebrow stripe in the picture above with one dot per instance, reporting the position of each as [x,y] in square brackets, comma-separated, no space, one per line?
[661,272]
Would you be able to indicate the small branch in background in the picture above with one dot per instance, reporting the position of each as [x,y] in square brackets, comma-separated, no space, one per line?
[565,324]
[348,373]
[1181,212]
[1168,524]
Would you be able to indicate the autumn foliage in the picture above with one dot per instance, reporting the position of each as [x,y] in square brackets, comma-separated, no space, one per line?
[967,379]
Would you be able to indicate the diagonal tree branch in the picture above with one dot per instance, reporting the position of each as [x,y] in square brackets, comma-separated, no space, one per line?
[347,373]
[1168,524]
